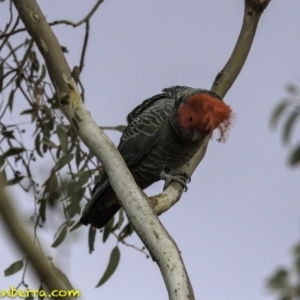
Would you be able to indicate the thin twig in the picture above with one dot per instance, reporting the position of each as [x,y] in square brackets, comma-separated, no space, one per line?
[86,18]
[6,36]
[142,250]
[85,42]
[59,22]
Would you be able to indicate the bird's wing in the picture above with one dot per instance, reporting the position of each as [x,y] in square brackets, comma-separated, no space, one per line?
[143,106]
[142,132]
[98,192]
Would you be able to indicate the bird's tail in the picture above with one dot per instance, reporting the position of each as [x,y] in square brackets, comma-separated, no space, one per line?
[103,205]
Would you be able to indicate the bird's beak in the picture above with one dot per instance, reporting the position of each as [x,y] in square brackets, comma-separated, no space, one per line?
[196,135]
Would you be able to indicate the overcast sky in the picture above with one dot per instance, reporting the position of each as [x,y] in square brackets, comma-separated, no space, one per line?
[240,216]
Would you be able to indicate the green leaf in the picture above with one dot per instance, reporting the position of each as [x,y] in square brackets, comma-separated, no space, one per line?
[47,111]
[58,152]
[35,63]
[33,116]
[43,73]
[64,49]
[73,207]
[78,157]
[92,236]
[296,250]
[292,89]
[108,229]
[297,265]
[15,180]
[42,209]
[11,100]
[51,183]
[8,134]
[76,226]
[63,139]
[26,55]
[83,179]
[121,218]
[14,268]
[3,175]
[290,123]
[278,112]
[126,231]
[64,161]
[62,277]
[13,151]
[42,293]
[279,280]
[120,128]
[60,237]
[30,297]
[49,143]
[26,112]
[2,160]
[37,145]
[295,156]
[112,266]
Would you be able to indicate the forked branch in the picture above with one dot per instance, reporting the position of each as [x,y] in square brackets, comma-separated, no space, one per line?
[223,82]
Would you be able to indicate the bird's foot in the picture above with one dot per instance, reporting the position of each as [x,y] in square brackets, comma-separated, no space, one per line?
[175,175]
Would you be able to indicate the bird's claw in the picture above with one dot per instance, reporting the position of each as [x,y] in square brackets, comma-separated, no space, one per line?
[175,175]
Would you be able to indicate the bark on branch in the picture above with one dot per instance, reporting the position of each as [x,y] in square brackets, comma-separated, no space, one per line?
[133,200]
[223,82]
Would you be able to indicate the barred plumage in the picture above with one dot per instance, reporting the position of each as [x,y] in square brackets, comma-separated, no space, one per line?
[163,133]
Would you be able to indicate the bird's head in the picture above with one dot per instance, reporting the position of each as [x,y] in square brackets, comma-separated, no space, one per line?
[196,115]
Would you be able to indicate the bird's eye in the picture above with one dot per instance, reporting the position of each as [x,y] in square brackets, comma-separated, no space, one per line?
[191,119]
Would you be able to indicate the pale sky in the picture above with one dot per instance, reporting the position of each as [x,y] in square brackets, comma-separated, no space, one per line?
[240,216]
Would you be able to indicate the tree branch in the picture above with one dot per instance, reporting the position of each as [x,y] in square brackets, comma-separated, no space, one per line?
[231,70]
[221,85]
[133,200]
[86,38]
[66,22]
[23,241]
[86,18]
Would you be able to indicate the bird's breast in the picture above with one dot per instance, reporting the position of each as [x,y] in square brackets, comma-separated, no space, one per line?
[170,152]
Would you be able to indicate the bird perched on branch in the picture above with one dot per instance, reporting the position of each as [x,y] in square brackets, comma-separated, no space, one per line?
[163,133]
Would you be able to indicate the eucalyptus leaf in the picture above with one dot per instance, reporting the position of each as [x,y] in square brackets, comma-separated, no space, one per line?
[63,139]
[108,229]
[60,236]
[91,239]
[64,161]
[295,156]
[61,276]
[15,180]
[289,125]
[277,113]
[112,266]
[14,268]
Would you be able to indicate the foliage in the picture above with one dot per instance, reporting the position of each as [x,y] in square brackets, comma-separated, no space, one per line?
[289,109]
[286,283]
[40,136]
